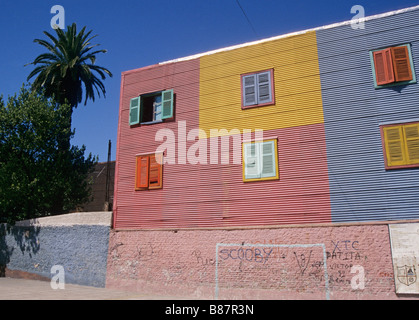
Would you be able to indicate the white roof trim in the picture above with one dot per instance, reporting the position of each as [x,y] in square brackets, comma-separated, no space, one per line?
[334,25]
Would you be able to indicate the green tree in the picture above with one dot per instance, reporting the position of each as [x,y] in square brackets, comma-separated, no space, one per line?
[36,177]
[69,67]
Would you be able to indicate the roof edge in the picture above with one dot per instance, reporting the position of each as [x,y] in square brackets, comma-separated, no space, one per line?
[333,25]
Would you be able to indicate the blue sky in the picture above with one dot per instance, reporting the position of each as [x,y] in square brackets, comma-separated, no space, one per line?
[142,33]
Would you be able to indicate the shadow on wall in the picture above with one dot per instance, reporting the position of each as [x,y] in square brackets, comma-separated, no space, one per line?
[26,239]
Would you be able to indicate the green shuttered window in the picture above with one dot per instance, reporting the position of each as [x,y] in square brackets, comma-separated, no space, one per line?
[260,160]
[151,108]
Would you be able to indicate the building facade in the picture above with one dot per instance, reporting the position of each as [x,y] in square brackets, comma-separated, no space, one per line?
[273,169]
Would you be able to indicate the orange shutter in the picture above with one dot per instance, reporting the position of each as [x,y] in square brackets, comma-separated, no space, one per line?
[141,176]
[155,176]
[401,62]
[383,65]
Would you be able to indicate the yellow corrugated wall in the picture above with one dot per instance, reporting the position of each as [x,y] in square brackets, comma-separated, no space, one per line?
[297,85]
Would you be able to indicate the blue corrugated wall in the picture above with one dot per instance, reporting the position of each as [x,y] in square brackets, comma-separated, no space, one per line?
[360,187]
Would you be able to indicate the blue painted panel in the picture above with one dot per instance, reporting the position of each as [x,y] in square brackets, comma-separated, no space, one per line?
[361,189]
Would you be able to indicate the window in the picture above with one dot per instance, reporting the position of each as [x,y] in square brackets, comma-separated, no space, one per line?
[392,66]
[149,171]
[151,108]
[257,89]
[401,145]
[260,160]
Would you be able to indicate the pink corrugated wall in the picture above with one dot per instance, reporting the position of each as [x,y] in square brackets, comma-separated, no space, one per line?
[214,195]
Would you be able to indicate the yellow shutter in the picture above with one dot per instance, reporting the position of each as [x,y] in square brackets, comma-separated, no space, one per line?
[411,134]
[395,151]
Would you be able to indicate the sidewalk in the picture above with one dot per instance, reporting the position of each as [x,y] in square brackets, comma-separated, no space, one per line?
[22,289]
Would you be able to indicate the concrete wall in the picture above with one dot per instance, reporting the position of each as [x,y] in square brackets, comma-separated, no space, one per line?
[77,241]
[278,263]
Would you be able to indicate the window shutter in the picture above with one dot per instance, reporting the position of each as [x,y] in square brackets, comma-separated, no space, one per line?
[394,146]
[155,173]
[249,90]
[401,62]
[264,87]
[167,104]
[411,133]
[251,161]
[268,159]
[134,111]
[141,177]
[383,66]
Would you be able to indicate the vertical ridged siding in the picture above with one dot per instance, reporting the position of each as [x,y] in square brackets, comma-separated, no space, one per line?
[361,189]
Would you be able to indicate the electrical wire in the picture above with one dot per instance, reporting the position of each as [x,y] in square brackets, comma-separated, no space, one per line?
[247,18]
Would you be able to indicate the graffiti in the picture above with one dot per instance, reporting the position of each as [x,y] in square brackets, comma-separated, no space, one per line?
[303,261]
[115,254]
[352,244]
[145,252]
[249,254]
[200,260]
[344,250]
[276,251]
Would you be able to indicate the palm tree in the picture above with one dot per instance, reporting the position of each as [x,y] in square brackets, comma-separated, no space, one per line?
[68,67]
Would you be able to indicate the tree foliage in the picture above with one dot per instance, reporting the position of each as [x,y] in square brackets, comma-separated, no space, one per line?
[37,178]
[68,66]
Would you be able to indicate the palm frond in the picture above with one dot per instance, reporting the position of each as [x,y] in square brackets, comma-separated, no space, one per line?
[69,65]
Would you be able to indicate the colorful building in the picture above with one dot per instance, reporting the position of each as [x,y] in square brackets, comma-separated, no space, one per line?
[272,169]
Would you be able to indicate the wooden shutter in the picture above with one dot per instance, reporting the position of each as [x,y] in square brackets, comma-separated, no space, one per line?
[249,90]
[251,161]
[134,111]
[142,172]
[167,104]
[411,134]
[264,87]
[155,173]
[383,66]
[268,159]
[401,63]
[394,145]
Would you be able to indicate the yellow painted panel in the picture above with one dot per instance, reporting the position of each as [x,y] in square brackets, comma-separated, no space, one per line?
[296,84]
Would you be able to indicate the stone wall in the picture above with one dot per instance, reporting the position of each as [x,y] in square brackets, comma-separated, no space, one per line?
[330,262]
[78,242]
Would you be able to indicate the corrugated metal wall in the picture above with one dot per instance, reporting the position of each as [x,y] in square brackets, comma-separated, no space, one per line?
[296,85]
[214,195]
[361,189]
[331,171]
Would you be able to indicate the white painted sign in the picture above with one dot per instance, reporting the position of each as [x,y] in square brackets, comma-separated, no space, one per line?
[405,251]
